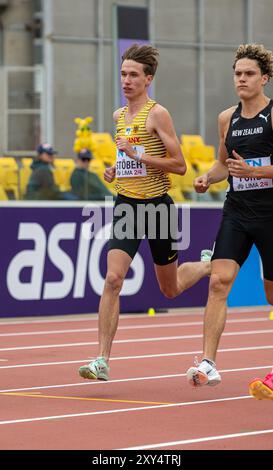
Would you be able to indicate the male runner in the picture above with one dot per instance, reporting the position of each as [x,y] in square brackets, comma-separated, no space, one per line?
[245,157]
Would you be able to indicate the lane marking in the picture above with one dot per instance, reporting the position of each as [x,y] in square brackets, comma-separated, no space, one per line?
[103,400]
[132,379]
[143,356]
[136,340]
[181,312]
[124,410]
[201,439]
[123,328]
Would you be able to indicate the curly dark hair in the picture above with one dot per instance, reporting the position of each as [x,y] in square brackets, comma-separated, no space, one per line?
[144,54]
[258,52]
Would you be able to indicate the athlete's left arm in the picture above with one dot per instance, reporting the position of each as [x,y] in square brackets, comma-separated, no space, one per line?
[239,168]
[159,124]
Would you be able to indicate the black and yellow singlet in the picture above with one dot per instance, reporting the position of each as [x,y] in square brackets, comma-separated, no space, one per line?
[139,181]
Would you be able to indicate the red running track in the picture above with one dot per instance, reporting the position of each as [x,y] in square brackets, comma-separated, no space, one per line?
[147,403]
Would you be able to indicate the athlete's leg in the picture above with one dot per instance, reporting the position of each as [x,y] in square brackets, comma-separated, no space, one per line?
[174,280]
[118,263]
[263,233]
[262,389]
[223,274]
[232,247]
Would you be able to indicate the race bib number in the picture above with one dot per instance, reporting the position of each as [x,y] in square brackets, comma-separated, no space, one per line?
[245,184]
[126,167]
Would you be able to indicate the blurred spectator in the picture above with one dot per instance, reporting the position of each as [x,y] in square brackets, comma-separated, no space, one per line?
[85,184]
[41,183]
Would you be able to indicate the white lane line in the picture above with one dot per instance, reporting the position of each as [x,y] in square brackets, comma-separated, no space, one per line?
[136,340]
[123,316]
[69,318]
[132,379]
[201,439]
[143,356]
[124,410]
[132,327]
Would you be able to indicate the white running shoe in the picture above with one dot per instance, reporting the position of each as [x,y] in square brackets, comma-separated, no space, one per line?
[96,370]
[203,374]
[206,255]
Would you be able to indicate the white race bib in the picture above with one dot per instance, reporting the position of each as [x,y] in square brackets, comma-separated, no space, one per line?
[245,184]
[126,167]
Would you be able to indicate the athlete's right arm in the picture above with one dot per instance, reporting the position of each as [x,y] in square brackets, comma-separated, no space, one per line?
[219,171]
[110,172]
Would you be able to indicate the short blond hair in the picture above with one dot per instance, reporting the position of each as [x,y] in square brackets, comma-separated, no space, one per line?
[258,52]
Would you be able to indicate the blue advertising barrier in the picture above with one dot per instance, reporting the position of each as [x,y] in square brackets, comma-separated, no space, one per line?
[248,287]
[50,267]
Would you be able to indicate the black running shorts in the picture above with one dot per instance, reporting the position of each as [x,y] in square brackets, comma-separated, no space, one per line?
[236,238]
[154,218]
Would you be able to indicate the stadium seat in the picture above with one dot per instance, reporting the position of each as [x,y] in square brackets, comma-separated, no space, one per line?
[104,147]
[3,194]
[98,167]
[24,175]
[175,192]
[9,177]
[190,140]
[186,181]
[26,162]
[62,171]
[202,153]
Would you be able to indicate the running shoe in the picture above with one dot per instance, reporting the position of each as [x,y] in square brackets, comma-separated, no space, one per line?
[96,370]
[204,373]
[262,389]
[206,255]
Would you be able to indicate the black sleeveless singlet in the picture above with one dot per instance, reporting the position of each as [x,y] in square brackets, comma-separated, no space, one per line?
[252,138]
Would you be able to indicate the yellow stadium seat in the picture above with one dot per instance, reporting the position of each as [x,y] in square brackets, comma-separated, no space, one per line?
[9,179]
[104,147]
[183,184]
[3,194]
[24,175]
[175,192]
[98,167]
[187,181]
[62,171]
[202,153]
[26,162]
[190,140]
[203,158]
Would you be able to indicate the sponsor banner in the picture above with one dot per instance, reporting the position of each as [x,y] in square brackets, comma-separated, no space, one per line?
[49,264]
[53,261]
